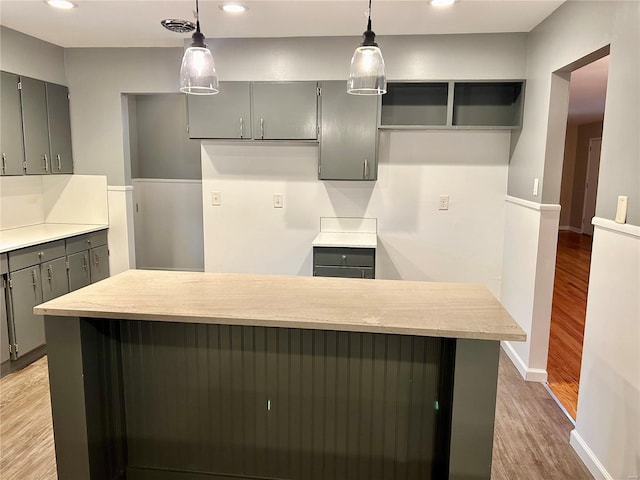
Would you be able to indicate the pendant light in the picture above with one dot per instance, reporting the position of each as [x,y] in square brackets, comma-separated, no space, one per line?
[367,76]
[198,71]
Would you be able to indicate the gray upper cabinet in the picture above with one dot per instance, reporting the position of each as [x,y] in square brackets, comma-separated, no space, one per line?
[348,134]
[35,124]
[285,111]
[11,126]
[225,115]
[59,128]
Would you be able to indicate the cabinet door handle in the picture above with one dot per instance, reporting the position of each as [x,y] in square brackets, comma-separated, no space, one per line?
[96,259]
[262,128]
[4,163]
[241,127]
[49,273]
[362,272]
[46,163]
[59,162]
[84,263]
[365,169]
[34,279]
[40,255]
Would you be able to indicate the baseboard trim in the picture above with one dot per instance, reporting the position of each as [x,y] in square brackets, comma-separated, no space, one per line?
[568,228]
[529,374]
[588,457]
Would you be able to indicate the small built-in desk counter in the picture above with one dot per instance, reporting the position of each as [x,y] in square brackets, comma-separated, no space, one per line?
[181,375]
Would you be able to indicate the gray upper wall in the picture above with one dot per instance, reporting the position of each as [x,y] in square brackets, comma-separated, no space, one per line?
[31,57]
[99,77]
[571,33]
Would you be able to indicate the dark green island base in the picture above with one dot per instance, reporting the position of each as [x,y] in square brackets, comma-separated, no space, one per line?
[239,396]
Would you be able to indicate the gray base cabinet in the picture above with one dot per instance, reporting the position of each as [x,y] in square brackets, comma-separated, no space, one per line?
[4,324]
[54,279]
[348,134]
[344,262]
[11,126]
[99,263]
[26,293]
[79,275]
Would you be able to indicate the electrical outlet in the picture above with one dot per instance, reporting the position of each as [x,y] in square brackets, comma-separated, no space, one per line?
[443,204]
[536,184]
[278,200]
[621,210]
[216,199]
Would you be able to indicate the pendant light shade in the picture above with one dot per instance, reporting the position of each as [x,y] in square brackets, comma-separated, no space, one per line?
[367,75]
[198,71]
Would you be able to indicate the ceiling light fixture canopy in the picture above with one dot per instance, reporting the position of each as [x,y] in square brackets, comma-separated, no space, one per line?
[233,8]
[198,71]
[367,75]
[64,4]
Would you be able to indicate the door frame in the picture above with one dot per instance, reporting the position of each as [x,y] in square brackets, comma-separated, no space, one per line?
[586,222]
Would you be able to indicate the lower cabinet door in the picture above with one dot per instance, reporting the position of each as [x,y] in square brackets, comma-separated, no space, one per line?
[344,272]
[4,327]
[54,279]
[99,258]
[79,275]
[26,293]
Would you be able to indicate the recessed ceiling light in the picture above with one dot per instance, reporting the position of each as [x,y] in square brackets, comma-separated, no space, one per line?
[233,8]
[64,4]
[442,3]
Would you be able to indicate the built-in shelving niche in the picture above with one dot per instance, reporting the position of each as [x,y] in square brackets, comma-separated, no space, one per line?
[453,105]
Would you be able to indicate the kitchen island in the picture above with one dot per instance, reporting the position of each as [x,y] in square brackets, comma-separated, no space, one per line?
[181,375]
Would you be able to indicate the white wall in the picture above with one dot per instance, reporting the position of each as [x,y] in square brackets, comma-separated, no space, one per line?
[416,241]
[607,434]
[607,431]
[168,224]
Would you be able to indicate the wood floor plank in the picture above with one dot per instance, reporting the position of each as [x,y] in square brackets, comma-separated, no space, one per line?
[568,314]
[531,436]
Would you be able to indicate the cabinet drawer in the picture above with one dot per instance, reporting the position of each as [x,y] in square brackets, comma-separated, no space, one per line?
[27,257]
[343,272]
[86,241]
[344,257]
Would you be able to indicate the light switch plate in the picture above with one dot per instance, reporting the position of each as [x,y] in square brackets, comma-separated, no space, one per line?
[278,200]
[536,184]
[216,199]
[621,210]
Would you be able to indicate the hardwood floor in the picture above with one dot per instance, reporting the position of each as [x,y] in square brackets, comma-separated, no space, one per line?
[567,317]
[531,439]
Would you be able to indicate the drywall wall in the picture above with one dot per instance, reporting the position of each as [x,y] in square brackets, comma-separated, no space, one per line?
[29,56]
[416,241]
[585,133]
[608,419]
[568,172]
[168,224]
[164,149]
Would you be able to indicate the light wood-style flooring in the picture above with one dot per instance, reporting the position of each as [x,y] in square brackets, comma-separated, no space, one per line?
[531,435]
[531,439]
[567,317]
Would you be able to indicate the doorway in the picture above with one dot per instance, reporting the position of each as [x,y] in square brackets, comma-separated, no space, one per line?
[583,140]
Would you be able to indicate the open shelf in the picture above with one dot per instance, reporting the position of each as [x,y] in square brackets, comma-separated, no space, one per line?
[415,104]
[487,104]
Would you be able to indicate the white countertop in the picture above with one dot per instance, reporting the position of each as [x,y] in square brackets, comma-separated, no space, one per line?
[453,310]
[15,238]
[346,239]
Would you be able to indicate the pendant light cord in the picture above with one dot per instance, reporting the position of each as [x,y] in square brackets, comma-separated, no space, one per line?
[198,16]
[369,12]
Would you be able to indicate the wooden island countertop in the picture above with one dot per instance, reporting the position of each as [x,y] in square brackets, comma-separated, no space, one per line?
[450,310]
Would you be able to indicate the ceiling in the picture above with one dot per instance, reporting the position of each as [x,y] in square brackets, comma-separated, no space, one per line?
[115,23]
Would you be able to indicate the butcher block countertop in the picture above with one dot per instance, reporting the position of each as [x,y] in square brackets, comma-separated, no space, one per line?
[450,310]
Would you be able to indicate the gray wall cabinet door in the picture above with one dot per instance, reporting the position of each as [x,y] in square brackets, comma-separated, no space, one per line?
[79,275]
[99,257]
[26,293]
[59,128]
[4,326]
[54,279]
[348,135]
[35,124]
[11,127]
[225,115]
[285,111]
